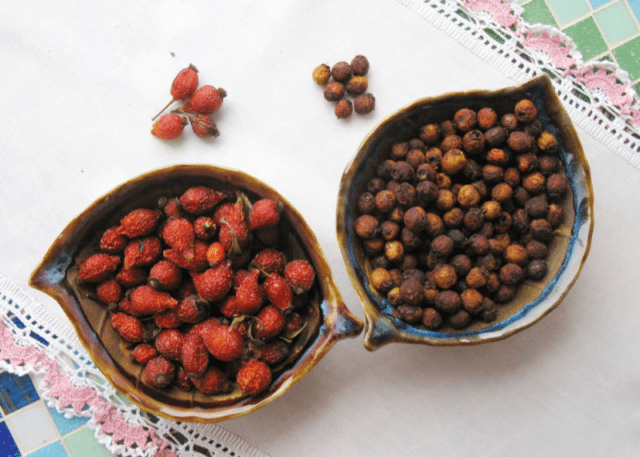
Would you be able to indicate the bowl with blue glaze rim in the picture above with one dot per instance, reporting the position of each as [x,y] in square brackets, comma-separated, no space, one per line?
[327,320]
[567,252]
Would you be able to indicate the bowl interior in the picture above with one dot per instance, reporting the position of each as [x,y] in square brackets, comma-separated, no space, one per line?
[58,272]
[567,250]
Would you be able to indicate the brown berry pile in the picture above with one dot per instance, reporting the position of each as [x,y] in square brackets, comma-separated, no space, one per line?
[201,291]
[461,214]
[344,80]
[198,104]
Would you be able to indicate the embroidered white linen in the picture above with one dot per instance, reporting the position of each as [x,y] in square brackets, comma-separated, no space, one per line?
[81,83]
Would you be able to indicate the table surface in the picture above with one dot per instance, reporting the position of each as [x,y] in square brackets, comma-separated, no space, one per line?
[81,87]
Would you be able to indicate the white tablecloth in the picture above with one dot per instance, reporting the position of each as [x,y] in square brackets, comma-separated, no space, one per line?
[80,83]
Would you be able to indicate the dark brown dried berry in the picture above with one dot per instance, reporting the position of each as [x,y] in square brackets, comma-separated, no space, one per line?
[357,85]
[487,118]
[465,119]
[333,91]
[341,72]
[364,104]
[360,65]
[525,111]
[343,109]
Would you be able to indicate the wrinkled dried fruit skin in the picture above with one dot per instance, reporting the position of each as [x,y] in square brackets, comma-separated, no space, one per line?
[269,261]
[250,294]
[214,283]
[169,127]
[199,200]
[205,100]
[98,267]
[109,291]
[223,342]
[300,275]
[144,352]
[146,300]
[165,275]
[278,291]
[212,381]
[139,222]
[169,344]
[180,235]
[112,241]
[160,372]
[203,126]
[142,252]
[185,83]
[128,327]
[264,213]
[269,322]
[254,377]
[194,355]
[193,309]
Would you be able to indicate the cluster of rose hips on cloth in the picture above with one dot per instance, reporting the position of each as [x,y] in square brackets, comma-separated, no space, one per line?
[200,291]
[200,103]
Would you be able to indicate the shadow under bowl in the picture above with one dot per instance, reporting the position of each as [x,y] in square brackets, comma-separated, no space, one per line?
[567,252]
[330,322]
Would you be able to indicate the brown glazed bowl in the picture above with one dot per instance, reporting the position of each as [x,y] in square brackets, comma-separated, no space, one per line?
[56,276]
[568,251]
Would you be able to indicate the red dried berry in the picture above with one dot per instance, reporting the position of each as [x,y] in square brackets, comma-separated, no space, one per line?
[205,100]
[278,291]
[268,323]
[172,208]
[131,277]
[264,213]
[128,327]
[213,381]
[253,377]
[250,294]
[142,252]
[183,380]
[179,234]
[184,85]
[216,254]
[229,307]
[194,355]
[300,275]
[274,352]
[193,260]
[167,319]
[214,283]
[98,267]
[160,372]
[203,126]
[269,261]
[144,352]
[223,342]
[139,222]
[199,200]
[204,228]
[169,127]
[169,343]
[192,309]
[146,300]
[112,241]
[109,292]
[165,275]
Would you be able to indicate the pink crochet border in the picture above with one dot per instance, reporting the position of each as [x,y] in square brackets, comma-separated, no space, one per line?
[559,48]
[59,386]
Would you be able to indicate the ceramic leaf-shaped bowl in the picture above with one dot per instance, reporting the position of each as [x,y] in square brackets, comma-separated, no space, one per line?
[567,253]
[327,321]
